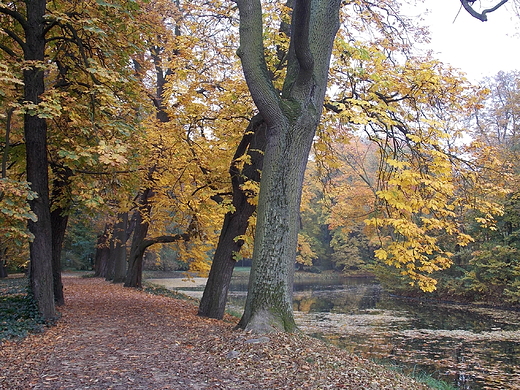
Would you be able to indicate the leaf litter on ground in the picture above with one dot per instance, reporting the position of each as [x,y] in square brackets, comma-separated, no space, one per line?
[111,337]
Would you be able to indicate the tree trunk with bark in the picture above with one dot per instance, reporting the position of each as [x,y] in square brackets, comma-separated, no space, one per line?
[3,263]
[119,252]
[213,302]
[102,253]
[60,202]
[59,222]
[292,118]
[134,273]
[35,130]
[135,258]
[138,253]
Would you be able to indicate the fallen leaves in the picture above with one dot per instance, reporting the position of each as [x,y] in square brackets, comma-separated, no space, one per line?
[120,338]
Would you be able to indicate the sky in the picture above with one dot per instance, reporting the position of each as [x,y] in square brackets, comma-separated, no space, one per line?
[480,49]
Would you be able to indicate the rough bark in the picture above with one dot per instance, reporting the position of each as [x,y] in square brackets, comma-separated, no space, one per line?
[60,206]
[102,253]
[291,118]
[119,252]
[213,302]
[59,221]
[35,130]
[3,266]
[135,258]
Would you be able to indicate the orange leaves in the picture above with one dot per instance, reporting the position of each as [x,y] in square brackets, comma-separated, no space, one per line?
[110,336]
[410,108]
[14,214]
[111,154]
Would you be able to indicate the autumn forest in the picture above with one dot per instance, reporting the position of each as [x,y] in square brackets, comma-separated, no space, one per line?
[317,136]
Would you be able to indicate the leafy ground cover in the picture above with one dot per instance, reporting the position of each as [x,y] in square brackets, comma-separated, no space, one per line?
[18,313]
[120,338]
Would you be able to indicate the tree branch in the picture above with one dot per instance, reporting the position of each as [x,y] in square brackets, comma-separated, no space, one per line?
[483,15]
[300,38]
[15,37]
[15,15]
[8,51]
[251,53]
[162,240]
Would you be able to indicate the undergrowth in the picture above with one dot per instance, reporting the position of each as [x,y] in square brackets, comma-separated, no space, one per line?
[19,314]
[418,375]
[155,289]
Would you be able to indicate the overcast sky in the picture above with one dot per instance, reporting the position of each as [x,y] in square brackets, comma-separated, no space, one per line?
[478,48]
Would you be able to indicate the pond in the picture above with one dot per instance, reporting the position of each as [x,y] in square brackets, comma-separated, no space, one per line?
[471,347]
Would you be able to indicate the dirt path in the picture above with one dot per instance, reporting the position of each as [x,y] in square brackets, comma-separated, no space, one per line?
[112,337]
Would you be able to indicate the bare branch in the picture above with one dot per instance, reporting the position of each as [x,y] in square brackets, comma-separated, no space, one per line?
[15,15]
[8,51]
[483,15]
[15,37]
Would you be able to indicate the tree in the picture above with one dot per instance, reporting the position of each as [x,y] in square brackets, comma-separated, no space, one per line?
[200,105]
[291,118]
[385,92]
[236,221]
[60,206]
[35,130]
[491,269]
[86,70]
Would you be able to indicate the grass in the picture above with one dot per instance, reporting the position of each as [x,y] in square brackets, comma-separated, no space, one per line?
[155,289]
[19,314]
[430,381]
[419,375]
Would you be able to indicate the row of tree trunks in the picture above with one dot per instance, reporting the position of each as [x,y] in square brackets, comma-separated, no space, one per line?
[110,260]
[102,253]
[119,257]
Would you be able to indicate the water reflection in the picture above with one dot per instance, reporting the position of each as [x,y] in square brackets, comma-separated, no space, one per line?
[474,348]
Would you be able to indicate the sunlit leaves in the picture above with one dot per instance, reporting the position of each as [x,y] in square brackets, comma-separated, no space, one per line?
[413,110]
[14,214]
[305,255]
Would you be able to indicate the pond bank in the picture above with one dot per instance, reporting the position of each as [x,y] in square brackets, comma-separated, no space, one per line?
[471,346]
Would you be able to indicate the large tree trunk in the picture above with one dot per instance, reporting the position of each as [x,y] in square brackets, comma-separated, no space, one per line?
[134,271]
[35,130]
[213,302]
[3,263]
[269,302]
[292,119]
[119,253]
[102,253]
[59,221]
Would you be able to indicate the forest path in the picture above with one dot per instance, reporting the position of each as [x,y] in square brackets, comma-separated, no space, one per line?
[111,337]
